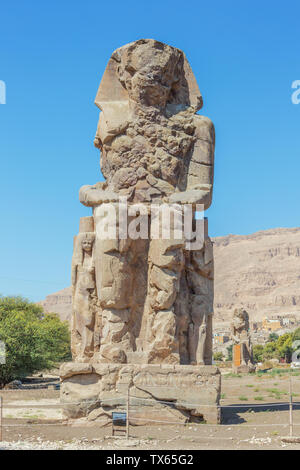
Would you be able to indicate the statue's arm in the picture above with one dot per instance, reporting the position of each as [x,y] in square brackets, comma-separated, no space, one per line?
[112,122]
[200,172]
[94,195]
[235,338]
[234,335]
[74,275]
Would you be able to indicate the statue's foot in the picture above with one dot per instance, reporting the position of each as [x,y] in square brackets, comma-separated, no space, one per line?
[162,356]
[111,353]
[83,359]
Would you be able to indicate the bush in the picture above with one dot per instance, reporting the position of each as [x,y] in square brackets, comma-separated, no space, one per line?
[229,353]
[296,335]
[218,356]
[280,348]
[273,337]
[33,341]
[270,351]
[258,353]
[284,346]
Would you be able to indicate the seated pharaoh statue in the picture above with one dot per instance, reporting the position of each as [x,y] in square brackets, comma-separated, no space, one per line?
[142,267]
[146,300]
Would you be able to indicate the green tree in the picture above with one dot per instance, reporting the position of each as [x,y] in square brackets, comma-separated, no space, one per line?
[229,353]
[33,341]
[258,350]
[284,347]
[273,337]
[218,356]
[270,351]
[296,335]
[282,339]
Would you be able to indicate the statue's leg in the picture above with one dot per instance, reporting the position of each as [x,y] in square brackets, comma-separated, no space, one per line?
[244,353]
[83,326]
[165,266]
[114,281]
[208,353]
[89,329]
[75,336]
[182,310]
[197,338]
[88,340]
[114,296]
[200,280]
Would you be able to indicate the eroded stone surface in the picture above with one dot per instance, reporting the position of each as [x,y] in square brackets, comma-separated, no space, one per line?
[161,392]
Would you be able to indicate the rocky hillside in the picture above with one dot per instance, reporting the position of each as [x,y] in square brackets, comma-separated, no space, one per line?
[60,302]
[260,272]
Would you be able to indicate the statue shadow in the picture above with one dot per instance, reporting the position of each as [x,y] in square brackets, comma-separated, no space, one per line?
[233,414]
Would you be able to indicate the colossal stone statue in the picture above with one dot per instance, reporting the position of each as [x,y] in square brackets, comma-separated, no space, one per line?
[144,299]
[242,347]
[154,149]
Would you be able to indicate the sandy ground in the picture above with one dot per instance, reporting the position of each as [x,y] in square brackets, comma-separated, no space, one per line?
[254,416]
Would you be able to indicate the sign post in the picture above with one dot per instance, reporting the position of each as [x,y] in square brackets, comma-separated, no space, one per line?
[127,414]
[291,407]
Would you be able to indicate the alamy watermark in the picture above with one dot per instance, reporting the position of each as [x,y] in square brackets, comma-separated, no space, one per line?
[296,93]
[2,92]
[151,221]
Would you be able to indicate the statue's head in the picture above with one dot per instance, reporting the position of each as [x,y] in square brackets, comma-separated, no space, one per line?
[87,242]
[151,72]
[241,318]
[84,243]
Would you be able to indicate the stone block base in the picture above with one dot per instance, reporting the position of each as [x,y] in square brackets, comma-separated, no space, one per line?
[243,369]
[158,393]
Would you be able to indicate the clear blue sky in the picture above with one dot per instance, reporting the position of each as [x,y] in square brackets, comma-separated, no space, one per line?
[245,55]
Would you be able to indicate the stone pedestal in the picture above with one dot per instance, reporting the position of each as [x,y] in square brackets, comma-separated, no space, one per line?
[158,393]
[243,369]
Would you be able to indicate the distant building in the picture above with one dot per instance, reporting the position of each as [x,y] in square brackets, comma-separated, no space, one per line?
[220,339]
[271,324]
[289,321]
[256,325]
